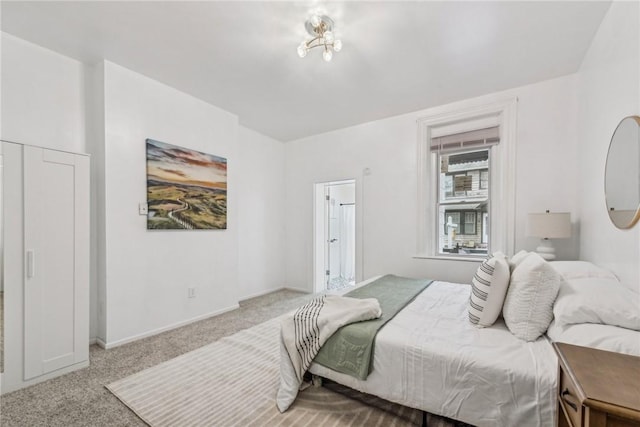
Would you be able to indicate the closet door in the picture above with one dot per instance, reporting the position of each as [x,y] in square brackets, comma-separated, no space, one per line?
[56,262]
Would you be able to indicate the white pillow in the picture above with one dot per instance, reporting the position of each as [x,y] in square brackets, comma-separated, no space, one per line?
[517,259]
[528,307]
[597,300]
[580,269]
[488,289]
[604,337]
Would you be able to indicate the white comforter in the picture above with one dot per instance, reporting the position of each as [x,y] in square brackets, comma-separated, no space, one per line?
[430,357]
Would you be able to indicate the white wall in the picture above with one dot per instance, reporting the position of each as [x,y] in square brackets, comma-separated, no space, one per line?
[43,104]
[57,102]
[261,212]
[386,229]
[148,272]
[42,97]
[608,90]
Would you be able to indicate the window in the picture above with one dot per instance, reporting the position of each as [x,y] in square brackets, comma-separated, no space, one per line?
[468,226]
[463,190]
[484,179]
[469,223]
[466,185]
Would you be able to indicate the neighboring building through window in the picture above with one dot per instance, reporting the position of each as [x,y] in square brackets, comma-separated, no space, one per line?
[463,201]
[462,207]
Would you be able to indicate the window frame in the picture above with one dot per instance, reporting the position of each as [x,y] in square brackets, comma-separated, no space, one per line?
[462,117]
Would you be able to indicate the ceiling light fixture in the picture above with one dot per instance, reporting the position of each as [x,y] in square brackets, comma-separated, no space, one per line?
[320,27]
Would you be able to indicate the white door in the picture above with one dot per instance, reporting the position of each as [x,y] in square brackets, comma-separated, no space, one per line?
[340,259]
[56,244]
[333,240]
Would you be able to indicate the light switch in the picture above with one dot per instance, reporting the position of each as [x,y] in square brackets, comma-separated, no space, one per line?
[143,209]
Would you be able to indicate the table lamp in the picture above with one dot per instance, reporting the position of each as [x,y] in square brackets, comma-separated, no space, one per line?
[546,226]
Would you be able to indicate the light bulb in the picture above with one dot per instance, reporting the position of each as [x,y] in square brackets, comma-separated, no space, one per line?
[337,45]
[315,20]
[328,36]
[302,50]
[327,55]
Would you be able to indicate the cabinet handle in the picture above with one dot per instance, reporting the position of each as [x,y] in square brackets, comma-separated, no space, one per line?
[565,396]
[31,269]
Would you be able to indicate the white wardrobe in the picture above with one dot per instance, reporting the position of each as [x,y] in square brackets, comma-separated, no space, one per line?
[46,263]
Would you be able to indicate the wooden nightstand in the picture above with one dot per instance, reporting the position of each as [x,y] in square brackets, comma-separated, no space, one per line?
[597,388]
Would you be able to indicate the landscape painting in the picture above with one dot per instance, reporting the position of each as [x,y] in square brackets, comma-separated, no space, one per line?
[186,189]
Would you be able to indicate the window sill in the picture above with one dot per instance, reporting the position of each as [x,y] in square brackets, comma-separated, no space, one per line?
[452,258]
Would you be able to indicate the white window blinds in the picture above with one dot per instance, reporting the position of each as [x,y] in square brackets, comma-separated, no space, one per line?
[474,139]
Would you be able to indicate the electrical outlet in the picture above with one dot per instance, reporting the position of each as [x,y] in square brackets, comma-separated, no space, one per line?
[191,292]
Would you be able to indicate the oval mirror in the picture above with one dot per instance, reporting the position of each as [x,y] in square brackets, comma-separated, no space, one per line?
[622,174]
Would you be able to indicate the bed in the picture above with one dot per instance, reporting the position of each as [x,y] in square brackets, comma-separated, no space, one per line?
[430,357]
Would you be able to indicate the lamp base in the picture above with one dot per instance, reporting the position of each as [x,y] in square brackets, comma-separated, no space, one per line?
[546,250]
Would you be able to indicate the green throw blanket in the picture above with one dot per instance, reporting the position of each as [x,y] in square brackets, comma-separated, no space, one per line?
[350,349]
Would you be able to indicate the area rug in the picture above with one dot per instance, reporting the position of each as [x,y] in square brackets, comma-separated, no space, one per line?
[233,382]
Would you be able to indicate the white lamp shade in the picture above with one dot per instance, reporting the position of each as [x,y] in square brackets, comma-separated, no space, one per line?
[550,225]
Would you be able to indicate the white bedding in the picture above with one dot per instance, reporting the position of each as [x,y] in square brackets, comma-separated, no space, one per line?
[430,357]
[603,337]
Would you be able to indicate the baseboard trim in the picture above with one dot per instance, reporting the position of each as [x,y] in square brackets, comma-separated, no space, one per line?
[304,291]
[110,345]
[259,294]
[270,291]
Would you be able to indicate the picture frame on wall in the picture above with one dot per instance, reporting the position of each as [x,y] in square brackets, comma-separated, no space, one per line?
[186,189]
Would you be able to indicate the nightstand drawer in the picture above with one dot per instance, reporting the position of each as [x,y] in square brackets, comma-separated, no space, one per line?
[613,421]
[568,399]
[597,388]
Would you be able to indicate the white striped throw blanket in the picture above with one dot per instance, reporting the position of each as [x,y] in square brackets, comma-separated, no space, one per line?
[304,331]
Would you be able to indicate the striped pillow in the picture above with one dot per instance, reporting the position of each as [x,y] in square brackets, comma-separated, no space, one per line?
[488,290]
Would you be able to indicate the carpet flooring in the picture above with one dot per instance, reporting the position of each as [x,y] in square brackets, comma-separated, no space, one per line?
[81,399]
[232,382]
[1,330]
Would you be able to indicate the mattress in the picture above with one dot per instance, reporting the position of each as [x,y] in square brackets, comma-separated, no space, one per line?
[430,357]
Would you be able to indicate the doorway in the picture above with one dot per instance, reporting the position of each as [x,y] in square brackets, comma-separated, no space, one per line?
[335,235]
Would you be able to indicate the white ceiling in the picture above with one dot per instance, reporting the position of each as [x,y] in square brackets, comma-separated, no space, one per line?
[397,57]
